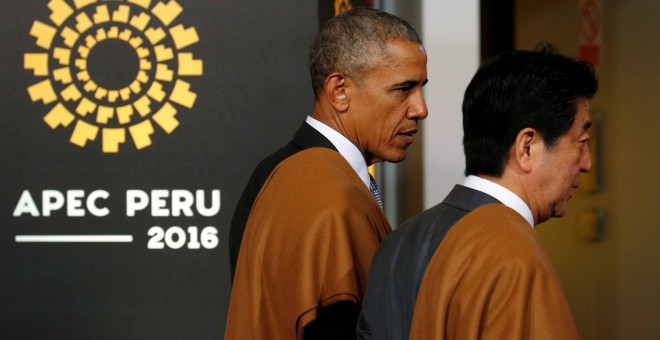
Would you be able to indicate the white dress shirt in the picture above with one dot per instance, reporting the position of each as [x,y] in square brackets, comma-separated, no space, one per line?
[346,148]
[502,194]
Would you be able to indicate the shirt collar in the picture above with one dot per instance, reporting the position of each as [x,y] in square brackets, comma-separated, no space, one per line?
[348,150]
[502,194]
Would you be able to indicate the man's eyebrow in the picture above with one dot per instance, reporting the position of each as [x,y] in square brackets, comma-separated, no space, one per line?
[410,83]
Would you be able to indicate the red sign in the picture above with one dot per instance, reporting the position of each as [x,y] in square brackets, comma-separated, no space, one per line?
[591,30]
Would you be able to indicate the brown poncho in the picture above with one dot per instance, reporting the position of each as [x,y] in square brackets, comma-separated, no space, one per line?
[308,243]
[491,279]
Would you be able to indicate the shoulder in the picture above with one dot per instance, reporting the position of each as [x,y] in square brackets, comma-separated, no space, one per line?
[491,245]
[320,180]
[497,223]
[314,159]
[498,236]
[319,171]
[264,168]
[423,232]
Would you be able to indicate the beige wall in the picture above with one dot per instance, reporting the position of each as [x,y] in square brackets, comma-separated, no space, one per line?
[614,285]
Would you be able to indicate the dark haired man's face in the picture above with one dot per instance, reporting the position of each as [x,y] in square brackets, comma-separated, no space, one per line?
[560,167]
[388,103]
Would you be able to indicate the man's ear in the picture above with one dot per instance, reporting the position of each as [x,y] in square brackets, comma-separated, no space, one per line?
[526,148]
[335,91]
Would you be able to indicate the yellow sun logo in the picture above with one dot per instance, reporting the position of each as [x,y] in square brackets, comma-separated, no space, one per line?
[113,69]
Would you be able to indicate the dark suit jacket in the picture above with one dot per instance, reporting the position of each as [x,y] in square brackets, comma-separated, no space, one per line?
[398,267]
[306,137]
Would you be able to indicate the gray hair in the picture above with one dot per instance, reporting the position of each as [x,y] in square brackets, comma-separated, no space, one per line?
[353,41]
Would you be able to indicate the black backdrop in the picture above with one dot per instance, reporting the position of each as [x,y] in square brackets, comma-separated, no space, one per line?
[248,92]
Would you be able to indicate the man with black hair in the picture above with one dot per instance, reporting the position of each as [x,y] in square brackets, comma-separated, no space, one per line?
[472,267]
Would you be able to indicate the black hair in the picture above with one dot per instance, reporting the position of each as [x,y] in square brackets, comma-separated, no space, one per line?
[519,89]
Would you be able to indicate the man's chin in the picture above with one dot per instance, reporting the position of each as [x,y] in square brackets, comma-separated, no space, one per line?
[391,156]
[396,158]
[560,212]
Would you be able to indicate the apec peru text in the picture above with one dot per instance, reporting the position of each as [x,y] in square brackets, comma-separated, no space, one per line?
[156,203]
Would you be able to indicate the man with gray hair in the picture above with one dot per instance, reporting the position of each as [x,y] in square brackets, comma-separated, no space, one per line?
[309,221]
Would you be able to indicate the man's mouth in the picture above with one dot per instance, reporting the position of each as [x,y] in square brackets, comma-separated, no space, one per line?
[409,132]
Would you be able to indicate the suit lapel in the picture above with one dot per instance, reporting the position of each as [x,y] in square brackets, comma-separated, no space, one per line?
[468,199]
[308,137]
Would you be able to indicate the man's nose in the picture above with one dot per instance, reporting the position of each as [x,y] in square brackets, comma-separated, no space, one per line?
[585,162]
[418,110]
